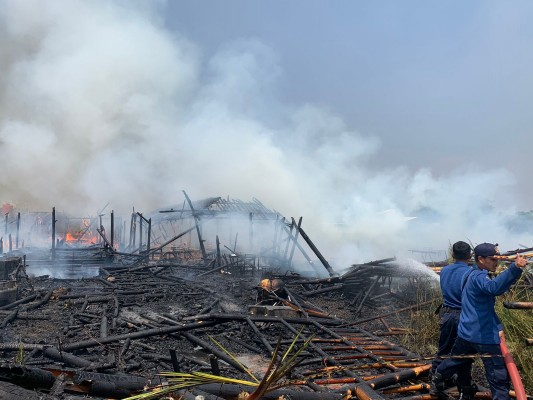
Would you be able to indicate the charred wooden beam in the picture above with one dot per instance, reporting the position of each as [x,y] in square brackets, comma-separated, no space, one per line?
[316,251]
[135,335]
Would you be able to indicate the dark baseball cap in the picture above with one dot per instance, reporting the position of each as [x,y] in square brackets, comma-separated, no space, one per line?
[486,250]
[461,250]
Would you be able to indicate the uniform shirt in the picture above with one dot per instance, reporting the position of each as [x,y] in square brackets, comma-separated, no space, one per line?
[450,283]
[478,322]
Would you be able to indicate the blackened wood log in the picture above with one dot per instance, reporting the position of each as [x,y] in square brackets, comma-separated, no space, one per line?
[135,335]
[66,358]
[124,381]
[38,304]
[18,302]
[398,376]
[27,377]
[10,318]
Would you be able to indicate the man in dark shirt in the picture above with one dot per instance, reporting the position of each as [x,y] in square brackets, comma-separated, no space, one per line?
[450,284]
[479,326]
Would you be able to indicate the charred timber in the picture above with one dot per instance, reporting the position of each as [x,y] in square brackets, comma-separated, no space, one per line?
[317,252]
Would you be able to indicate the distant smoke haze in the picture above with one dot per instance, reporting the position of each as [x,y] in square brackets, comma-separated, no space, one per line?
[99,104]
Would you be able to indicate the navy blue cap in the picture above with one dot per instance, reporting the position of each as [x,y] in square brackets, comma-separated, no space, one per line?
[486,250]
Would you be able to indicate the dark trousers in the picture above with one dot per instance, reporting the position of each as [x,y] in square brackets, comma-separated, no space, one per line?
[495,369]
[449,320]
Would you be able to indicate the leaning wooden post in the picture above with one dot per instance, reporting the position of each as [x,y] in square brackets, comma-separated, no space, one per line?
[53,233]
[317,252]
[304,253]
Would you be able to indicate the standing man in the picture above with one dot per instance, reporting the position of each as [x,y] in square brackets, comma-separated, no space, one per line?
[450,284]
[479,326]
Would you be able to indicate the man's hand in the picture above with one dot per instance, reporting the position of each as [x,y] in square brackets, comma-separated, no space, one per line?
[520,261]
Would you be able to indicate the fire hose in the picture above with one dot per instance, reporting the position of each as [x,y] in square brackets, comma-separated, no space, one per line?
[512,370]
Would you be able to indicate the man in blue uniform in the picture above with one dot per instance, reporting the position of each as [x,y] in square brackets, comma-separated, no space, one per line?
[450,284]
[479,326]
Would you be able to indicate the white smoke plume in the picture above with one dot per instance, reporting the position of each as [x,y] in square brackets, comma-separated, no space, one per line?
[100,103]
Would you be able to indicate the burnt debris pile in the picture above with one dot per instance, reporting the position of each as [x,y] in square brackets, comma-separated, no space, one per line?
[209,286]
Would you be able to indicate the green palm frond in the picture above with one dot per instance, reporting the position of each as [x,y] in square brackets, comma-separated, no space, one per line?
[278,368]
[183,380]
[246,369]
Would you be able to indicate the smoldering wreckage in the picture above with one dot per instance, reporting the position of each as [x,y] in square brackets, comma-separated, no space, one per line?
[102,307]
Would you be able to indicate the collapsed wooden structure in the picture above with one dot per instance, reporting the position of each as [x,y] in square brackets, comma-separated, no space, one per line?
[164,300]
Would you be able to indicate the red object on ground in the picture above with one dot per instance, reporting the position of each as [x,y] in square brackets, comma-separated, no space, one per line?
[511,368]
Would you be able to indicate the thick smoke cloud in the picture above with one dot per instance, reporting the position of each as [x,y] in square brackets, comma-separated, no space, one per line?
[99,103]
